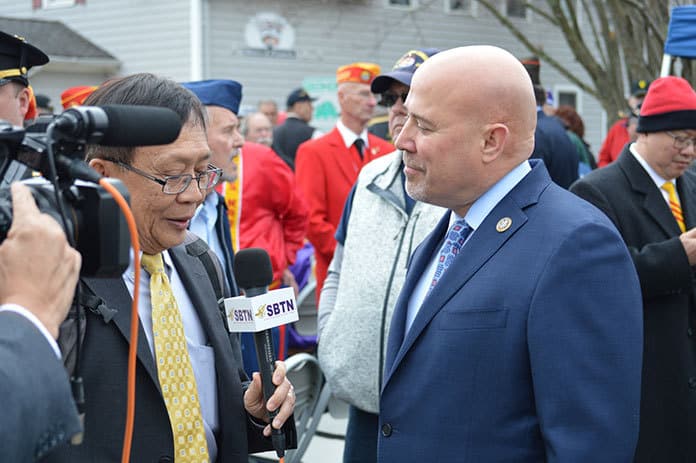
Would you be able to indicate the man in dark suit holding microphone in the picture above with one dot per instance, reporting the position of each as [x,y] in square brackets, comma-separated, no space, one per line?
[193,400]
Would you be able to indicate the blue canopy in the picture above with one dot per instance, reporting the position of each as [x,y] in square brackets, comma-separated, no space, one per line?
[681,35]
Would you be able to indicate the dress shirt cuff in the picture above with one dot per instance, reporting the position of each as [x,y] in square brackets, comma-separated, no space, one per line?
[256,422]
[35,321]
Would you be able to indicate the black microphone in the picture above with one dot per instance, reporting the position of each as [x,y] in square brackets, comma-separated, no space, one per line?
[253,272]
[118,125]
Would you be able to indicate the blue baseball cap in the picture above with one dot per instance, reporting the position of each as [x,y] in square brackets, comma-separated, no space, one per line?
[217,92]
[403,70]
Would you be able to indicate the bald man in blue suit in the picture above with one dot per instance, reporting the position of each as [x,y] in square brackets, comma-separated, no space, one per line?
[523,342]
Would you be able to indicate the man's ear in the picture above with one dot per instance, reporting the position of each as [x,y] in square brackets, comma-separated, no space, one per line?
[103,167]
[495,137]
[24,97]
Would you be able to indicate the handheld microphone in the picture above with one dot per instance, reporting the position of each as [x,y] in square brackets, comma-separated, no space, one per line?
[260,310]
[119,125]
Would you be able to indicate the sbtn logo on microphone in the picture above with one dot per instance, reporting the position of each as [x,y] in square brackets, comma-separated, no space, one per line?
[258,313]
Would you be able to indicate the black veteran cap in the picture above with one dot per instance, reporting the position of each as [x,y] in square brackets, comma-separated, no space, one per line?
[640,87]
[297,95]
[17,57]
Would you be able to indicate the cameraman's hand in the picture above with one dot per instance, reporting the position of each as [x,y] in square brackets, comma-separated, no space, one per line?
[38,269]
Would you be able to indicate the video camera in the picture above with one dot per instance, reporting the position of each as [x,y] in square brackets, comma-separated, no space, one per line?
[55,147]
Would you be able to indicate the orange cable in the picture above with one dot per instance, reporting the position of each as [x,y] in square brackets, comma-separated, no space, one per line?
[132,349]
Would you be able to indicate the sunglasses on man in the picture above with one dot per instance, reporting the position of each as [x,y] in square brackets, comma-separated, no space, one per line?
[389,99]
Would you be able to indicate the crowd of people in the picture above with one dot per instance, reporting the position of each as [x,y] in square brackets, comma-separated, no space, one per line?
[487,288]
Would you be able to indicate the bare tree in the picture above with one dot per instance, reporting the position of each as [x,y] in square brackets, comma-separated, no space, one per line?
[617,42]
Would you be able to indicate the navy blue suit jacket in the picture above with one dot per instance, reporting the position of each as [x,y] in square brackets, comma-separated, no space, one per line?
[38,412]
[528,349]
[552,144]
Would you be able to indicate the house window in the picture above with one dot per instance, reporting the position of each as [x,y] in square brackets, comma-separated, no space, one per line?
[407,4]
[568,95]
[568,99]
[460,6]
[516,9]
[48,4]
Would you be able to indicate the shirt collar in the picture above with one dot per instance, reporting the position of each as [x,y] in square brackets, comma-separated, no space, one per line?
[483,206]
[129,274]
[349,136]
[209,204]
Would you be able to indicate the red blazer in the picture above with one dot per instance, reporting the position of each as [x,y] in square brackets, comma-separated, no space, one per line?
[326,171]
[274,215]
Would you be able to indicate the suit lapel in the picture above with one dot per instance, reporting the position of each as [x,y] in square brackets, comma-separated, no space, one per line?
[114,290]
[419,262]
[653,203]
[482,245]
[200,291]
[197,283]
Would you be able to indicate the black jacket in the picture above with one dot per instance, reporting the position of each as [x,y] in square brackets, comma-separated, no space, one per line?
[627,194]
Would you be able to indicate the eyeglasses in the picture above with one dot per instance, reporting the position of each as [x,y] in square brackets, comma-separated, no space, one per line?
[389,99]
[175,184]
[682,142]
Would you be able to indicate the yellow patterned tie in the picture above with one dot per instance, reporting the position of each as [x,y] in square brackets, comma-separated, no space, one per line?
[674,205]
[174,369]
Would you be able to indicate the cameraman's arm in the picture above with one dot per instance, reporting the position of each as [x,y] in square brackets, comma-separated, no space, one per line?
[38,269]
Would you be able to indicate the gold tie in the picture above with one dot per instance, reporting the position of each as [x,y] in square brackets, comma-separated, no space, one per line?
[174,369]
[674,205]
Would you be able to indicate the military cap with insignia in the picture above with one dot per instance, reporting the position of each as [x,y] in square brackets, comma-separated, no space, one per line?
[297,95]
[17,57]
[361,73]
[403,70]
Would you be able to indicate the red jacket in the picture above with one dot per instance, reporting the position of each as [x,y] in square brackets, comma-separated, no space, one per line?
[273,214]
[326,171]
[617,137]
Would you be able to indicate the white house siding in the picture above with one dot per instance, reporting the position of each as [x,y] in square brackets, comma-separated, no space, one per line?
[145,35]
[154,36]
[331,33]
[52,84]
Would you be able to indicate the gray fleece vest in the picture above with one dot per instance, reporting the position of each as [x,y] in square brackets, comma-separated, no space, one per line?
[380,239]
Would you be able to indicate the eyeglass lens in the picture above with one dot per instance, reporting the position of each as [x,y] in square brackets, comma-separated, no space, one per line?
[206,180]
[682,142]
[389,98]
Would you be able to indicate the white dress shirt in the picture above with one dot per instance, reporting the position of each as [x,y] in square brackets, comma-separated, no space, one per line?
[349,136]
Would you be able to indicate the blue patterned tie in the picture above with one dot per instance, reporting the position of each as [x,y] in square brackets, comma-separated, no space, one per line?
[454,240]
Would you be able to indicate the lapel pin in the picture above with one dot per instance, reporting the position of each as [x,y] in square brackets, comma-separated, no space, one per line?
[503,224]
